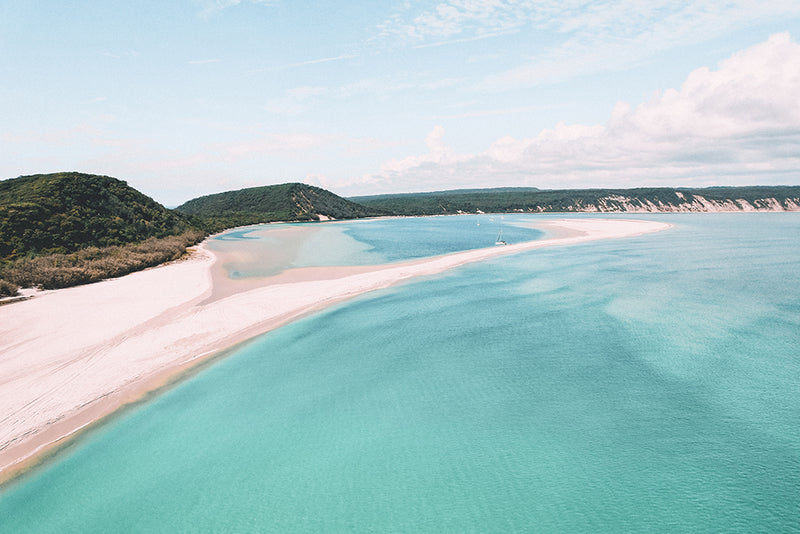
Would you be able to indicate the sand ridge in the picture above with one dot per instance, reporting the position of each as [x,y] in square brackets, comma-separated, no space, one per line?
[71,357]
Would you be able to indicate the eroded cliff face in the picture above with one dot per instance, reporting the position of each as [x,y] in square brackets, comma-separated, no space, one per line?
[683,203]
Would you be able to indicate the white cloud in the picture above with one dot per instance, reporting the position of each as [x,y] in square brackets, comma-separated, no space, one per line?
[304,63]
[209,7]
[121,55]
[753,92]
[360,146]
[738,124]
[595,37]
[492,112]
[300,99]
[271,144]
[461,19]
[322,60]
[295,100]
[577,37]
[439,154]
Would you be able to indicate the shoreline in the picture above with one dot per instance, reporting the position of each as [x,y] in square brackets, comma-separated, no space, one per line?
[73,357]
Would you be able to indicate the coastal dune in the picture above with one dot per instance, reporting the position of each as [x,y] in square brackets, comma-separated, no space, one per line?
[70,357]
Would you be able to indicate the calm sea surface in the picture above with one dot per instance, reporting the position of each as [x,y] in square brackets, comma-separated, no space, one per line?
[649,384]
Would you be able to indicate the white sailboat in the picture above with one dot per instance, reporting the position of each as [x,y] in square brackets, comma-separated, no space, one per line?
[500,240]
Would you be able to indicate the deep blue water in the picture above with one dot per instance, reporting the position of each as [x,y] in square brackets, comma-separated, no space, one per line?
[647,384]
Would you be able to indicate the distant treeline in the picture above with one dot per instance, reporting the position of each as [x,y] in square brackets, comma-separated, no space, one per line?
[575,200]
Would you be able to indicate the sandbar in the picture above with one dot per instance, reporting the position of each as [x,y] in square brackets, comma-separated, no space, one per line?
[71,357]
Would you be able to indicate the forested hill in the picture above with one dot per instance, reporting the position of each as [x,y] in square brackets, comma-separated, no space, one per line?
[641,200]
[69,211]
[284,202]
[65,229]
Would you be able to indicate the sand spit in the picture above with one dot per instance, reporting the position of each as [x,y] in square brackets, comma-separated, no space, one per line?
[70,357]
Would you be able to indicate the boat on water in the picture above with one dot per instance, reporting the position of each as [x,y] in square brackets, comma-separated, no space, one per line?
[500,240]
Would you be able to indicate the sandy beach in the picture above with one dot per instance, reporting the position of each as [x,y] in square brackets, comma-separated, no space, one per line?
[68,358]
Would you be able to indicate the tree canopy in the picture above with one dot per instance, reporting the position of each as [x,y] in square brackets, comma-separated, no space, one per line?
[68,211]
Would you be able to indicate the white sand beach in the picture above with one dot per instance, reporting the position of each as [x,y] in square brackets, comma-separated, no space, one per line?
[71,357]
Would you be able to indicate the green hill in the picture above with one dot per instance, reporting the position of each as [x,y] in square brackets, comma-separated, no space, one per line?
[68,211]
[68,228]
[65,229]
[284,202]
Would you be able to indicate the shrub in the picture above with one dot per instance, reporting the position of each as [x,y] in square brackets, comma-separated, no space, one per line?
[92,264]
[7,289]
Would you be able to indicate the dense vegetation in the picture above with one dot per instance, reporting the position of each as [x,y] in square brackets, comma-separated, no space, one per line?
[565,200]
[92,264]
[65,212]
[8,289]
[63,229]
[284,202]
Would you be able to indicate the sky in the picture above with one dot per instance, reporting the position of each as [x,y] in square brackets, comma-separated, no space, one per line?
[182,98]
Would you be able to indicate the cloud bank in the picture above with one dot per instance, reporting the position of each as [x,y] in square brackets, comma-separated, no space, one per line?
[578,36]
[738,124]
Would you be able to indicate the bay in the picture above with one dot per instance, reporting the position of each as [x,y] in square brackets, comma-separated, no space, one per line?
[642,384]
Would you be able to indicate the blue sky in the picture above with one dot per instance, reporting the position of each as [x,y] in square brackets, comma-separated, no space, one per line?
[189,97]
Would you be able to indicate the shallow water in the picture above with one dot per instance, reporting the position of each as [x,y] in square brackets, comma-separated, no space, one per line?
[265,250]
[642,384]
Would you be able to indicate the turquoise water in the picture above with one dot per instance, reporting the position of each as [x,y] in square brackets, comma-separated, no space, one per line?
[647,384]
[418,237]
[367,242]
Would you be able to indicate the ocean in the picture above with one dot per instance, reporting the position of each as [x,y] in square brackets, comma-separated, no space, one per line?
[646,384]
